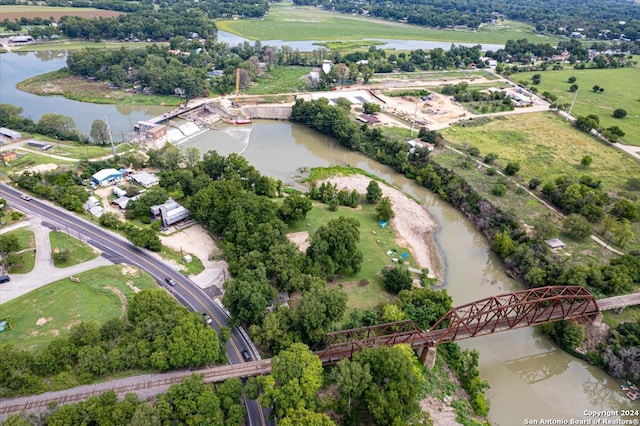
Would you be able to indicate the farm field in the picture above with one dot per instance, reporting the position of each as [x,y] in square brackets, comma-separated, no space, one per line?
[284,22]
[50,311]
[620,91]
[546,147]
[279,80]
[13,12]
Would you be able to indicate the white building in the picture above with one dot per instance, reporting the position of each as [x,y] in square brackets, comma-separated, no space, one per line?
[106,177]
[145,179]
[170,212]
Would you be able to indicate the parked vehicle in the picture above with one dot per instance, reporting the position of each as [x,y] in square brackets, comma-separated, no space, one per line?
[4,279]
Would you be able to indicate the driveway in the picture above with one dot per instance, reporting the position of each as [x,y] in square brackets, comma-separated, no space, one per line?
[44,272]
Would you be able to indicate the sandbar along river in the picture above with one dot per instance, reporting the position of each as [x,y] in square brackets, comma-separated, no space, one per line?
[530,377]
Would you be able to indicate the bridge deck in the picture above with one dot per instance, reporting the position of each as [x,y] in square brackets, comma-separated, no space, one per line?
[617,302]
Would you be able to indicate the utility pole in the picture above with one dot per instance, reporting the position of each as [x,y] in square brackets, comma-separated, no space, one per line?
[113,147]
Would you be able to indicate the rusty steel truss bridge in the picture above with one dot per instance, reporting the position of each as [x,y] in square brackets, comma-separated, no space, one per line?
[487,316]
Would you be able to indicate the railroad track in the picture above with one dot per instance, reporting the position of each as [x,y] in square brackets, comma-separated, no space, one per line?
[212,375]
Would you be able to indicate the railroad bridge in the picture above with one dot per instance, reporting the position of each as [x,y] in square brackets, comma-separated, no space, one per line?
[487,316]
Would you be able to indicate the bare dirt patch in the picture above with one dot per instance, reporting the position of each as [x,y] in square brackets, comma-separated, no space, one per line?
[412,222]
[300,239]
[123,299]
[42,321]
[42,168]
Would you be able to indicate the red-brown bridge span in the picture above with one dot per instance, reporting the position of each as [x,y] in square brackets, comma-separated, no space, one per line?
[487,316]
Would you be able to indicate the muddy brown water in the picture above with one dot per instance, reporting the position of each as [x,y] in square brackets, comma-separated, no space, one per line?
[530,377]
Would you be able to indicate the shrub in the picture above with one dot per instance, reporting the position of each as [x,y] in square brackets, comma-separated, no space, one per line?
[499,189]
[490,157]
[577,226]
[491,171]
[619,113]
[512,168]
[397,279]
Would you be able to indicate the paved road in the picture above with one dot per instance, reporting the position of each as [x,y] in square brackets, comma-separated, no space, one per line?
[118,250]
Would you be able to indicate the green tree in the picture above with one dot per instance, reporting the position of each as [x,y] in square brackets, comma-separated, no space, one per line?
[9,243]
[56,124]
[296,378]
[572,79]
[334,247]
[192,156]
[572,334]
[573,88]
[374,193]
[99,132]
[190,402]
[396,379]
[545,227]
[619,113]
[352,381]
[622,232]
[625,209]
[503,244]
[577,226]
[586,161]
[512,168]
[248,295]
[396,279]
[304,417]
[424,305]
[319,309]
[384,209]
[371,107]
[294,207]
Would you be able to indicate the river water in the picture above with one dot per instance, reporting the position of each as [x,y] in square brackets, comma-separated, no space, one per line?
[530,377]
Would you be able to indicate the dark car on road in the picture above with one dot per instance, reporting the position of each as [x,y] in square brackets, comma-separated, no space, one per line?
[4,279]
[245,355]
[170,281]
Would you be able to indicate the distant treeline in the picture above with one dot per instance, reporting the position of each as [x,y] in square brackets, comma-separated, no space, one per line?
[600,19]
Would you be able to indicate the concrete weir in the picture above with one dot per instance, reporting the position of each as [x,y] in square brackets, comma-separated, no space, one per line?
[274,112]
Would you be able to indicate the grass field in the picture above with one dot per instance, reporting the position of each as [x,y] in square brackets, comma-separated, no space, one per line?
[80,252]
[621,90]
[546,147]
[28,160]
[27,242]
[375,254]
[279,80]
[302,23]
[52,310]
[77,45]
[87,151]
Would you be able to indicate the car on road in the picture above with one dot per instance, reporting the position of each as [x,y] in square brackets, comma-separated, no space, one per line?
[4,279]
[245,355]
[207,318]
[170,281]
[26,197]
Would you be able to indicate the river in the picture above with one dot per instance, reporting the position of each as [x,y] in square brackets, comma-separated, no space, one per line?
[530,377]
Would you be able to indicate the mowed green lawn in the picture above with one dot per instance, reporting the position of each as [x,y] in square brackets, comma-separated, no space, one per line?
[288,23]
[26,239]
[621,90]
[374,252]
[52,310]
[79,251]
